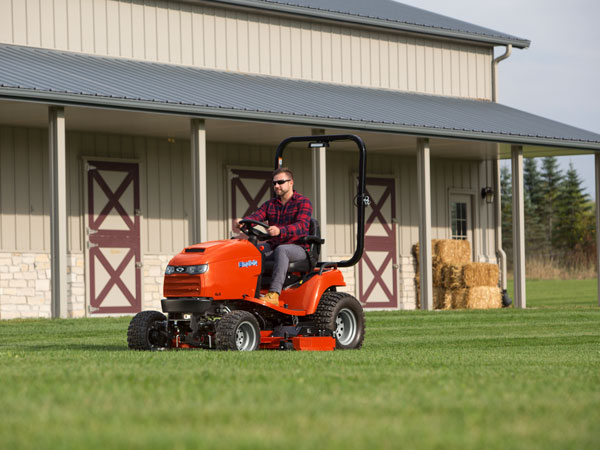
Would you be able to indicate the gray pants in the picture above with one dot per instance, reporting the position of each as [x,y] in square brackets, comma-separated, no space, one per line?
[283,255]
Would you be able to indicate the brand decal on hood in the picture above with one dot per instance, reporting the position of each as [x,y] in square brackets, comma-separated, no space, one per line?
[252,262]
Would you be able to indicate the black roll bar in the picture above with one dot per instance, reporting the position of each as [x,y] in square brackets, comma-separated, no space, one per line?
[361,199]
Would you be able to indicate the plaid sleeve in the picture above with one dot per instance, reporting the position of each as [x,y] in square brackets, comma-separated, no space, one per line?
[260,214]
[301,223]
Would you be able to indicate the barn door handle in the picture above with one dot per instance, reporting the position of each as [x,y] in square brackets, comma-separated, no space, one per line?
[139,265]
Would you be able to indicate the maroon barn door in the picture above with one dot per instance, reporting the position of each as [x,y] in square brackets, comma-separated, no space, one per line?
[113,232]
[249,190]
[377,269]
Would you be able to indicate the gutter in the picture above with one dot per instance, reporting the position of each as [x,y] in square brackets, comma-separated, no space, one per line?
[500,254]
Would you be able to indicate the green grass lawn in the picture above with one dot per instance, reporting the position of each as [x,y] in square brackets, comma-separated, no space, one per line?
[559,293]
[424,380]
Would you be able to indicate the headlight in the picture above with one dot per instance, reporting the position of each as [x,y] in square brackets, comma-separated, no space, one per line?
[190,270]
[195,270]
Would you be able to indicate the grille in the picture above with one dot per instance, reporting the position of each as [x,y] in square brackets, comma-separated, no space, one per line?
[182,286]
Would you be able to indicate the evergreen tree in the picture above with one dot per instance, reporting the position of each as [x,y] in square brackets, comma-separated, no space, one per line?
[573,219]
[535,239]
[551,179]
[506,205]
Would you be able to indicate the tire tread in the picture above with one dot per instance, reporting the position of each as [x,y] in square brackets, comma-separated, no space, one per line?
[225,330]
[137,332]
[323,316]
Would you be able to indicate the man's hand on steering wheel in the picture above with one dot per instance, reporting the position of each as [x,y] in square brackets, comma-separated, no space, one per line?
[249,230]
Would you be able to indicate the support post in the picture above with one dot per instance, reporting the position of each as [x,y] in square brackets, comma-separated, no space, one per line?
[597,162]
[199,193]
[500,255]
[518,210]
[319,168]
[58,211]
[424,188]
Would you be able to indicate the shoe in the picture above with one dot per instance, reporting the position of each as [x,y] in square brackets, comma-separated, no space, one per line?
[271,297]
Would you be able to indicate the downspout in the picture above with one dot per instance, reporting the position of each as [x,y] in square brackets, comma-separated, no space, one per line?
[498,204]
[495,71]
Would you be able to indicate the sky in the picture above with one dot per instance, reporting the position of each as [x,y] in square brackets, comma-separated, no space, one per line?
[558,76]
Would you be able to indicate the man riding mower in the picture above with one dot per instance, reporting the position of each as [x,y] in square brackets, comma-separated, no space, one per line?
[217,292]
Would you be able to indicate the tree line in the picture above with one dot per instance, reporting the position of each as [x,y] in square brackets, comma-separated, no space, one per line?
[559,216]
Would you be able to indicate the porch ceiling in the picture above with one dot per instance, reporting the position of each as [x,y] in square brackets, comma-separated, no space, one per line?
[110,121]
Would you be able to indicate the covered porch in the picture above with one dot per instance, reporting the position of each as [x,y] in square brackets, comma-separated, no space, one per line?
[65,92]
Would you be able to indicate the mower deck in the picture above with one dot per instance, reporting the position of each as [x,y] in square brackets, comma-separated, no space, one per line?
[308,343]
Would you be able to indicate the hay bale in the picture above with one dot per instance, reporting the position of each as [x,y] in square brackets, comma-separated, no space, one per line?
[451,251]
[438,297]
[452,276]
[436,276]
[480,274]
[483,297]
[457,298]
[416,251]
[436,279]
[447,302]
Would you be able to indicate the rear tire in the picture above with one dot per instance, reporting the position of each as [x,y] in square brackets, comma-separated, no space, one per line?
[239,331]
[147,331]
[342,314]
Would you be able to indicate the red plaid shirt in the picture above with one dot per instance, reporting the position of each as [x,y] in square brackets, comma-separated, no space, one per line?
[292,219]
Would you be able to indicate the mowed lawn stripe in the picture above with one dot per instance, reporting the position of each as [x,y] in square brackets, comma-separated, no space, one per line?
[450,379]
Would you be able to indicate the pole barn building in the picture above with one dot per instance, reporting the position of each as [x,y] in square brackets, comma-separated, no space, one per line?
[132,128]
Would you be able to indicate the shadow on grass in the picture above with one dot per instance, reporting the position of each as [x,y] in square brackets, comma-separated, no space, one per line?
[69,347]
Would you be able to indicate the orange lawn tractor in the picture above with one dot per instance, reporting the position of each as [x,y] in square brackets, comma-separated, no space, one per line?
[212,290]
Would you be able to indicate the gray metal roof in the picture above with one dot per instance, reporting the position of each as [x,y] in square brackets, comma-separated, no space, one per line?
[60,77]
[385,13]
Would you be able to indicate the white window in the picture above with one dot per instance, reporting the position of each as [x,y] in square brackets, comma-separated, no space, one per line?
[461,222]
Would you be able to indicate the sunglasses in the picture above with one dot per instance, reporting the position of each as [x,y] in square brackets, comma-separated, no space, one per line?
[280,182]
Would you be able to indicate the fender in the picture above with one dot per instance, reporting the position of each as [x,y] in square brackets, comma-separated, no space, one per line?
[302,300]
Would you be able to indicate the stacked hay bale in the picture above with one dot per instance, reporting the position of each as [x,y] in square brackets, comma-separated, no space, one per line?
[457,282]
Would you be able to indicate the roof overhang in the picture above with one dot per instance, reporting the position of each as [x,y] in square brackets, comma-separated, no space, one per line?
[65,78]
[445,29]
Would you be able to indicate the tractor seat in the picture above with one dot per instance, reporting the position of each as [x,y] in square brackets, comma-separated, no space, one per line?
[306,265]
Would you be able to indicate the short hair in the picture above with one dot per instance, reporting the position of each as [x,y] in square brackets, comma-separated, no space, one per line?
[284,170]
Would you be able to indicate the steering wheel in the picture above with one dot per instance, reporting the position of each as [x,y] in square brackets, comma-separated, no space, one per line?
[251,231]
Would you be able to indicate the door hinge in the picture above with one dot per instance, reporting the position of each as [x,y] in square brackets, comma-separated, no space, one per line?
[92,309]
[91,231]
[89,167]
[91,245]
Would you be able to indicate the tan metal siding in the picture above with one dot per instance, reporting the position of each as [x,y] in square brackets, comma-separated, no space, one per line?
[227,39]
[165,190]
[25,203]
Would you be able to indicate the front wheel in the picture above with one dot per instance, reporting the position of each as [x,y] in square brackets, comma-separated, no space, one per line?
[237,330]
[343,315]
[148,331]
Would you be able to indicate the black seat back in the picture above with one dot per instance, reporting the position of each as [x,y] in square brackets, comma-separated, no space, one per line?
[314,230]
